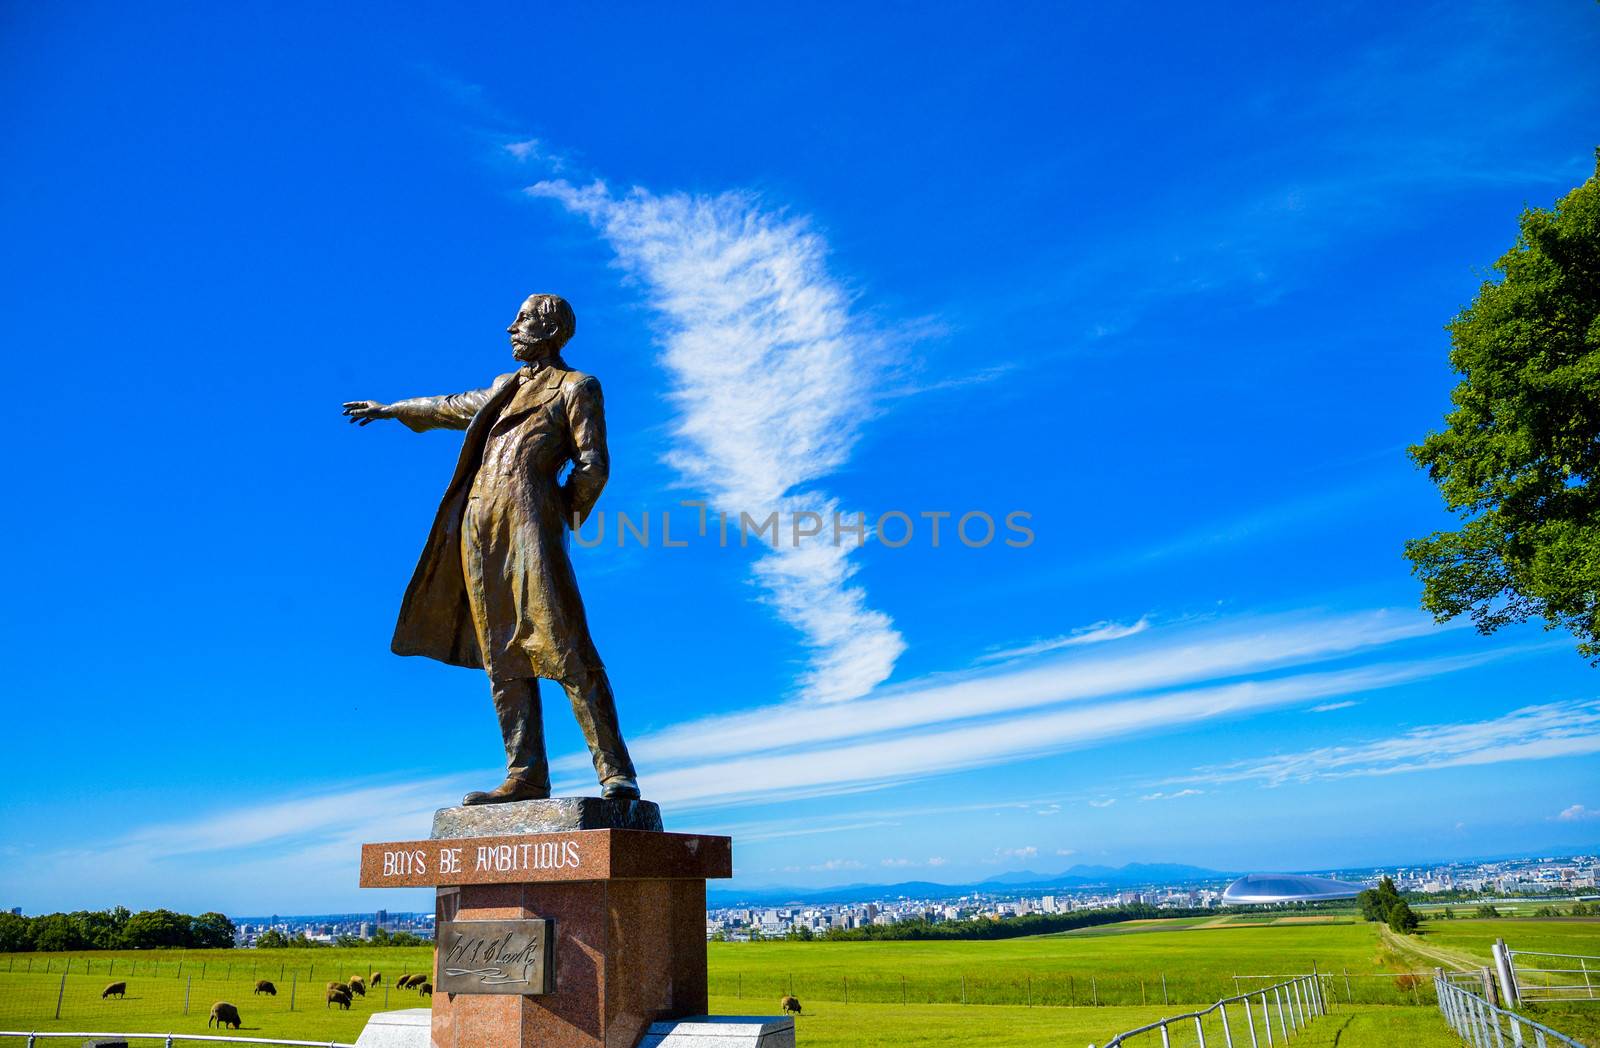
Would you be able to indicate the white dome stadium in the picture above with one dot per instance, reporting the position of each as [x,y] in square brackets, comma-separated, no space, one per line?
[1259,888]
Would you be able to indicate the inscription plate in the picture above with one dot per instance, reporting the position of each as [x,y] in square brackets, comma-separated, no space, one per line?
[496,957]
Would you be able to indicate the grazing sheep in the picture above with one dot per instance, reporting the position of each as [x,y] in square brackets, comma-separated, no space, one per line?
[408,981]
[790,1003]
[357,986]
[339,997]
[427,989]
[263,986]
[377,977]
[343,988]
[224,1014]
[118,988]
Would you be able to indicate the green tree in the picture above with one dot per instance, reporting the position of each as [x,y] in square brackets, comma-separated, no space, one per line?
[211,931]
[272,939]
[1402,918]
[152,928]
[1486,910]
[57,931]
[1519,457]
[16,933]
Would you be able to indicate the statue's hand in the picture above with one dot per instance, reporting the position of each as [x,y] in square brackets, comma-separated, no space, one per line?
[364,411]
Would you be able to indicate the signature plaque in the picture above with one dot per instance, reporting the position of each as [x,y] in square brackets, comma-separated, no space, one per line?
[497,957]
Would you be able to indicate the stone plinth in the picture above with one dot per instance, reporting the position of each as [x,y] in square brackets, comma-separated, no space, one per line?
[401,1028]
[628,909]
[722,1031]
[555,815]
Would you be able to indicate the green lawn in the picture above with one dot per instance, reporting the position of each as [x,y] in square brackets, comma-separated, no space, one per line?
[866,993]
[1569,935]
[1197,963]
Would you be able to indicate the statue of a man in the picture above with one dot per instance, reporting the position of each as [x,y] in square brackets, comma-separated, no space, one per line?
[494,588]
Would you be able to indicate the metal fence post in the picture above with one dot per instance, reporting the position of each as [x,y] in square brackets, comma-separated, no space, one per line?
[1164,988]
[1094,991]
[292,980]
[61,993]
[187,983]
[1266,1017]
[1166,1039]
[1227,1034]
[1250,1021]
[1200,1032]
[1283,1027]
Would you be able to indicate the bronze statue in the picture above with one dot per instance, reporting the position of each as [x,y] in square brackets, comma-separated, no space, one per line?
[494,588]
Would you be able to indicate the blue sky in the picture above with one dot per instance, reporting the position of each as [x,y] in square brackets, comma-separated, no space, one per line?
[1172,282]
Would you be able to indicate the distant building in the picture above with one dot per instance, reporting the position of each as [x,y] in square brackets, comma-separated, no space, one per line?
[1267,888]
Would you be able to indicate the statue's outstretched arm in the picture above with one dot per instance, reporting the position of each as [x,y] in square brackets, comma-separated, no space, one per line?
[451,411]
[591,462]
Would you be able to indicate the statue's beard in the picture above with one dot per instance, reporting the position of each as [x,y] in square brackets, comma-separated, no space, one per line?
[531,350]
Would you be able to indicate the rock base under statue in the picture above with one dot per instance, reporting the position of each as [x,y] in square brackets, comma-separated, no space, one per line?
[588,937]
[555,815]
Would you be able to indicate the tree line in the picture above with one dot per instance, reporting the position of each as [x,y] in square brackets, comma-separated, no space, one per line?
[115,929]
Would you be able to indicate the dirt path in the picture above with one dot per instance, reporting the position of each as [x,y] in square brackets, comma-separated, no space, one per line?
[1413,946]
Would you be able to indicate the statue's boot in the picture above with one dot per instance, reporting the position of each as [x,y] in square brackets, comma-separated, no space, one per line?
[516,703]
[620,788]
[510,790]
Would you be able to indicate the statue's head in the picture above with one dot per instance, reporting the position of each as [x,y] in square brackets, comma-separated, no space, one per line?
[543,325]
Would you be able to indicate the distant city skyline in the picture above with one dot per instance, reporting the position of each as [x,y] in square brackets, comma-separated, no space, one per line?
[1170,283]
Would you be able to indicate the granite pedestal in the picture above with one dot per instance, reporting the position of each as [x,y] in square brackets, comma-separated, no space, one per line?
[627,905]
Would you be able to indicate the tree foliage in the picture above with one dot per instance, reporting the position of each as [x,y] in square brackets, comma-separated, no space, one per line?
[113,929]
[1519,456]
[1402,918]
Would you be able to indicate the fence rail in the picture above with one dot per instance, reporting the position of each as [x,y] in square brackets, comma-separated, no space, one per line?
[1485,1025]
[1299,1000]
[169,1038]
[1572,976]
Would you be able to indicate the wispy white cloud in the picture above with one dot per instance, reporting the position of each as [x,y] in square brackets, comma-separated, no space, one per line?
[1576,813]
[1098,633]
[1026,851]
[879,761]
[770,375]
[1160,796]
[900,863]
[1234,648]
[1329,707]
[1103,803]
[1559,729]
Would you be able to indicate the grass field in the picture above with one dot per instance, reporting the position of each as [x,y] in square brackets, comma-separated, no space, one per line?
[866,993]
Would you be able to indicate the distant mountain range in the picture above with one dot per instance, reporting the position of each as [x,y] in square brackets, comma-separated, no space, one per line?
[1133,875]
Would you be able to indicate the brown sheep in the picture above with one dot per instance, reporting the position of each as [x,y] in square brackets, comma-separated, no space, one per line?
[224,1014]
[427,989]
[263,986]
[357,986]
[377,977]
[339,997]
[408,981]
[790,1003]
[339,986]
[118,988]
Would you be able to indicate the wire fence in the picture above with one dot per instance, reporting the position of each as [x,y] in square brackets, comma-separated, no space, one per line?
[1290,1006]
[1483,1024]
[116,998]
[169,1038]
[255,968]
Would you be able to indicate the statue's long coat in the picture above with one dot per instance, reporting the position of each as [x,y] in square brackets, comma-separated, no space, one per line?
[564,422]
